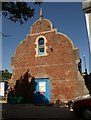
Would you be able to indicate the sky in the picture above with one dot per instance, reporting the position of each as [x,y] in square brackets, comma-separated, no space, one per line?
[66,17]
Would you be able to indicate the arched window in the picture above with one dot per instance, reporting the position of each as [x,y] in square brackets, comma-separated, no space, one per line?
[41,46]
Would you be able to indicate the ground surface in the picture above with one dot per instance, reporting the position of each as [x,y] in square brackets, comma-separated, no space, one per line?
[29,111]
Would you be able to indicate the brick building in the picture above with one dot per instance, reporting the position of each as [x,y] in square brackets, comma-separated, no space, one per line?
[52,59]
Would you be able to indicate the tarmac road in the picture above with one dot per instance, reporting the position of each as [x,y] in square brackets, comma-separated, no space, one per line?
[28,111]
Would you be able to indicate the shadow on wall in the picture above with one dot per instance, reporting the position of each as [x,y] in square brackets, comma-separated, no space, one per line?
[24,91]
[40,98]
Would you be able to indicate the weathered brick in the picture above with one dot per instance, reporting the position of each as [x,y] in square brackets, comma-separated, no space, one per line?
[60,65]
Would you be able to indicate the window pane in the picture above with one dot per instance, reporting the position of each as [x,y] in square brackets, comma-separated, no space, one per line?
[41,49]
[41,41]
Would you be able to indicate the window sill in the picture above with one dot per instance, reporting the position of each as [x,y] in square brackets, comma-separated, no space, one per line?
[41,55]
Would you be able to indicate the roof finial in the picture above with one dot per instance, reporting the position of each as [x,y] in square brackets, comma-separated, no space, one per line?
[41,14]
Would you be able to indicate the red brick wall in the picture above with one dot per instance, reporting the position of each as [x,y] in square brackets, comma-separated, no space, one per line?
[59,65]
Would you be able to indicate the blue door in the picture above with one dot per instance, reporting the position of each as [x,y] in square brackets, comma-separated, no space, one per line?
[43,89]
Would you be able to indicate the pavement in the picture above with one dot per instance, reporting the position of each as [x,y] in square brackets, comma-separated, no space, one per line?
[28,111]
[1,102]
[0,111]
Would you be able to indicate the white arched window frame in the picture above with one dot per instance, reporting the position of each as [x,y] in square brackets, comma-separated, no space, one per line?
[41,46]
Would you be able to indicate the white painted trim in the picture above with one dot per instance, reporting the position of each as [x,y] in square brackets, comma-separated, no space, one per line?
[45,47]
[41,32]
